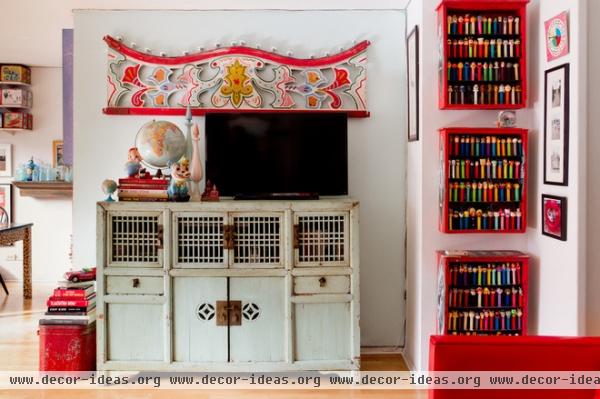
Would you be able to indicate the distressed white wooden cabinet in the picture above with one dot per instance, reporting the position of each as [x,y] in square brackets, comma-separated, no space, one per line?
[228,286]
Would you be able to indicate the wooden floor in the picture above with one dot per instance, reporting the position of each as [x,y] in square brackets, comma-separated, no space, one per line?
[19,351]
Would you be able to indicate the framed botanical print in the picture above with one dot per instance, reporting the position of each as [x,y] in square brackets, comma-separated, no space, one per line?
[412,74]
[556,126]
[58,153]
[554,216]
[6,199]
[5,160]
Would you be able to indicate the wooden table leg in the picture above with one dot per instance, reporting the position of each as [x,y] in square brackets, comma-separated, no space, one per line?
[27,291]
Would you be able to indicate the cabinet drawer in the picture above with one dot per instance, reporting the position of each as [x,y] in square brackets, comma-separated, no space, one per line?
[321,285]
[134,285]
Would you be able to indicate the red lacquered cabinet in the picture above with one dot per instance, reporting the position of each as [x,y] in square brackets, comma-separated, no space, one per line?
[482,292]
[483,54]
[483,180]
[67,347]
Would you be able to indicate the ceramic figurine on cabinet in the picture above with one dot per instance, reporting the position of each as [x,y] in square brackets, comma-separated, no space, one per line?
[180,174]
[134,163]
[196,172]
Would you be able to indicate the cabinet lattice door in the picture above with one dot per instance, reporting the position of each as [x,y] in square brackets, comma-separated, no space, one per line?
[321,239]
[198,239]
[258,240]
[135,239]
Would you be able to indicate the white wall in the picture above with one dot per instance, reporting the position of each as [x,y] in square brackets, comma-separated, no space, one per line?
[51,217]
[33,22]
[557,266]
[376,144]
[593,145]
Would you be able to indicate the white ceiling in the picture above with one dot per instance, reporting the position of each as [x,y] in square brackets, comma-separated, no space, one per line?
[31,30]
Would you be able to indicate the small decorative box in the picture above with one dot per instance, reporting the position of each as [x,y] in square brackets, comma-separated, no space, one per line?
[16,98]
[15,74]
[17,120]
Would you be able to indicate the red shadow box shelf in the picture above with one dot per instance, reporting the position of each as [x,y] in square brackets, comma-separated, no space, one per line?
[482,292]
[483,61]
[483,180]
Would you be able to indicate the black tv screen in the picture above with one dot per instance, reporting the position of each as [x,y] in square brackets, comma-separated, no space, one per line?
[255,153]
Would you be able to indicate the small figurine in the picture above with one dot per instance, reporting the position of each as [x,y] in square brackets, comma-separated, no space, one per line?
[210,192]
[109,187]
[180,174]
[31,166]
[133,167]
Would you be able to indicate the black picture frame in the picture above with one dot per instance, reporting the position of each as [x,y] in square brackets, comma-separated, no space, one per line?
[562,236]
[563,162]
[412,63]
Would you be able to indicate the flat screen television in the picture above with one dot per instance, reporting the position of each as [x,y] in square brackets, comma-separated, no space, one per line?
[255,154]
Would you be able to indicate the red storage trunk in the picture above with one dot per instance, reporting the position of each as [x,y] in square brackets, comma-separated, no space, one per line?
[67,347]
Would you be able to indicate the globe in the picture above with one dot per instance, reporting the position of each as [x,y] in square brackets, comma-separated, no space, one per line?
[160,143]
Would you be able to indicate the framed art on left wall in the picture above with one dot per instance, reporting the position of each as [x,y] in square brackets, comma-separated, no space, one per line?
[6,199]
[412,74]
[5,160]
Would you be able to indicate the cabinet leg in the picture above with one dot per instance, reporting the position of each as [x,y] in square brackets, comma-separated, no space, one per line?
[27,290]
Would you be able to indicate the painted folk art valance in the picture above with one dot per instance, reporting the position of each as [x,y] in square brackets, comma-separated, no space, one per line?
[234,78]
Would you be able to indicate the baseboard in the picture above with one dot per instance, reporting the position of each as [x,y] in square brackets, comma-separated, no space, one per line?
[408,362]
[381,350]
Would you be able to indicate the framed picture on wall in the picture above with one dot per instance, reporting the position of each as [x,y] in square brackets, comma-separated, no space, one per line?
[58,153]
[6,199]
[554,217]
[556,126]
[412,74]
[557,36]
[5,160]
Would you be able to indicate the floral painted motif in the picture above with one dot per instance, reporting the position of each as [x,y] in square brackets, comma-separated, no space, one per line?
[235,78]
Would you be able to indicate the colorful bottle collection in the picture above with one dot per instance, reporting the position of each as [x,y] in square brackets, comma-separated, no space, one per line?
[487,146]
[483,60]
[485,298]
[485,184]
[467,24]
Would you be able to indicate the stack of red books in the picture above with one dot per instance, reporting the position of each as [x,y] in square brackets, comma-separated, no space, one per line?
[150,189]
[71,303]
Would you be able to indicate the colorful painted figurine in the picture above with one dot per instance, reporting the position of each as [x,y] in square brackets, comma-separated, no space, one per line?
[180,174]
[133,167]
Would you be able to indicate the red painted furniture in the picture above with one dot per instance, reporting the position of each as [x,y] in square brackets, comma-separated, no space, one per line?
[468,279]
[461,45]
[454,353]
[478,198]
[67,347]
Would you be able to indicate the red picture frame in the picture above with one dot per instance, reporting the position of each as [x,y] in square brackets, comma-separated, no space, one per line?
[554,216]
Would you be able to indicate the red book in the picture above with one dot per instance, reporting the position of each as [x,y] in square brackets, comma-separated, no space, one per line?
[133,180]
[78,303]
[73,293]
[143,187]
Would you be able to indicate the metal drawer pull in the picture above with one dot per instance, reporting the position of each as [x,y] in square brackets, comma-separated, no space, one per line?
[322,282]
[136,282]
